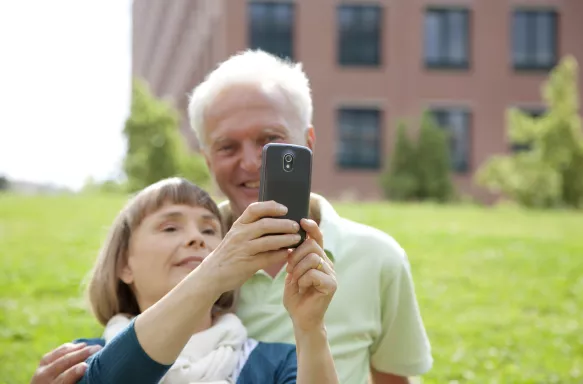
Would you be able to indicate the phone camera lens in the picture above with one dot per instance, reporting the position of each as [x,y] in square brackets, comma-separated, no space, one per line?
[288,158]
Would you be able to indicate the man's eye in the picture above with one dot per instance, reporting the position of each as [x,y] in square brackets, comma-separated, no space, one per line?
[273,138]
[226,148]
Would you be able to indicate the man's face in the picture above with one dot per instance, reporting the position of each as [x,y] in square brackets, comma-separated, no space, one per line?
[241,120]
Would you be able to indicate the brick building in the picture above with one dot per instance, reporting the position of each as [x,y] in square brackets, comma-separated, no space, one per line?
[372,63]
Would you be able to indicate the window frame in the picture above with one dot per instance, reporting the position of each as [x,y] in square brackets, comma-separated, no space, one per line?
[469,120]
[442,12]
[531,13]
[273,31]
[360,145]
[346,60]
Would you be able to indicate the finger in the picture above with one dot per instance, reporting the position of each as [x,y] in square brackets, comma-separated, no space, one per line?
[70,359]
[270,226]
[307,247]
[60,351]
[311,261]
[72,375]
[269,258]
[313,231]
[260,209]
[318,280]
[273,243]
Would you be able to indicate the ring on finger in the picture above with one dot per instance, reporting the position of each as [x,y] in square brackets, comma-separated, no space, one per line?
[320,264]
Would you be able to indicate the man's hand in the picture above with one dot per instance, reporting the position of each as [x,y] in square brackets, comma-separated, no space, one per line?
[64,365]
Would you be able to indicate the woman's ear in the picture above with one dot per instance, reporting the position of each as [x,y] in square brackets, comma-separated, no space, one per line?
[126,275]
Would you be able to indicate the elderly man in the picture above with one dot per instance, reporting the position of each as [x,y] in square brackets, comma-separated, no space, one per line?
[373,324]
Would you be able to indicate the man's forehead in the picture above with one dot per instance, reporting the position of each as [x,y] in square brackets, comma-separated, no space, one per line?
[244,96]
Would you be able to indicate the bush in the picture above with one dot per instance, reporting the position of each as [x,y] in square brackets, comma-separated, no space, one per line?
[400,182]
[433,162]
[550,173]
[422,171]
[155,147]
[4,183]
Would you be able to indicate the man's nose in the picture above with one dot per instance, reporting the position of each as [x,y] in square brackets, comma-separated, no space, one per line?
[251,158]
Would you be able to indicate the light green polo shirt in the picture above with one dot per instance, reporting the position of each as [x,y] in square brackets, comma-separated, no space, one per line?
[373,318]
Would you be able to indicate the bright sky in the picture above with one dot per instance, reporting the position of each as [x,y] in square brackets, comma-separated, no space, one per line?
[65,72]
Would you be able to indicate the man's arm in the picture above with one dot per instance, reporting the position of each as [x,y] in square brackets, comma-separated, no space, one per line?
[402,348]
[377,377]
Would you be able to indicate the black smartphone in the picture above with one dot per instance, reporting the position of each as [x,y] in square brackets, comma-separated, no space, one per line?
[286,177]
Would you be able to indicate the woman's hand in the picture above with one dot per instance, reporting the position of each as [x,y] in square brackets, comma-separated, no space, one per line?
[245,248]
[310,283]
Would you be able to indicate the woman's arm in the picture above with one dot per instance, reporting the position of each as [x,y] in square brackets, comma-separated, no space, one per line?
[164,329]
[309,288]
[315,363]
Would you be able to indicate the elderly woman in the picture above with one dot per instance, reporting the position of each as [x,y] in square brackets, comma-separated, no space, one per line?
[164,286]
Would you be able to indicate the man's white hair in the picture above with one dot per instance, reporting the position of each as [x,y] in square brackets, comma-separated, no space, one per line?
[254,67]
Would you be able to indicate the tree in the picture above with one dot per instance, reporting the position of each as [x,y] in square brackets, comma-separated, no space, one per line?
[550,173]
[419,171]
[155,147]
[4,183]
[433,161]
[399,182]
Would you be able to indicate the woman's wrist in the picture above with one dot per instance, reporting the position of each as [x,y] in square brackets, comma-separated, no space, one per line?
[205,284]
[312,335]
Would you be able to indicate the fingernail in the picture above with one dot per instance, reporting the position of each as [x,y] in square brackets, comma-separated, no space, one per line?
[94,348]
[282,209]
[81,368]
[296,226]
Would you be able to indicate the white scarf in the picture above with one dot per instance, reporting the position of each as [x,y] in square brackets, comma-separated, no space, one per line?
[210,356]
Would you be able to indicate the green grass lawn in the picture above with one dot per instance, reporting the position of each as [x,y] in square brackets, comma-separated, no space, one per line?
[501,290]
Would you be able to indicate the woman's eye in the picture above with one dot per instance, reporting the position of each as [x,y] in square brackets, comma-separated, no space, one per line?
[209,231]
[169,229]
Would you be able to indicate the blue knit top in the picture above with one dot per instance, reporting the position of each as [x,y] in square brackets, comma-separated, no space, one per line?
[124,361]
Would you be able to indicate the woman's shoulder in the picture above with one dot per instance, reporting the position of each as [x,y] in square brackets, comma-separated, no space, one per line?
[274,349]
[270,362]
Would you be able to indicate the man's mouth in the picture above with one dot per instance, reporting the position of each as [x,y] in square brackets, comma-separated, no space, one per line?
[251,184]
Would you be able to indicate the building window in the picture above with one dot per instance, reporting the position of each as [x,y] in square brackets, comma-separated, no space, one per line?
[359,145]
[447,38]
[535,112]
[359,35]
[534,39]
[456,122]
[271,26]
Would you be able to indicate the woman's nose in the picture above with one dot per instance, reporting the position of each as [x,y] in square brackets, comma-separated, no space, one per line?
[195,239]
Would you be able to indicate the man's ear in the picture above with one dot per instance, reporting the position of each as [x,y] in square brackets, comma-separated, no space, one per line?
[126,275]
[311,138]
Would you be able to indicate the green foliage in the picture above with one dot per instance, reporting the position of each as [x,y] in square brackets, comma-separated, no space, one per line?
[91,186]
[433,162]
[400,182]
[4,183]
[155,147]
[550,173]
[421,171]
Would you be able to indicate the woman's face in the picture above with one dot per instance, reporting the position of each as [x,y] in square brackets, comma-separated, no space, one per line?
[166,247]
